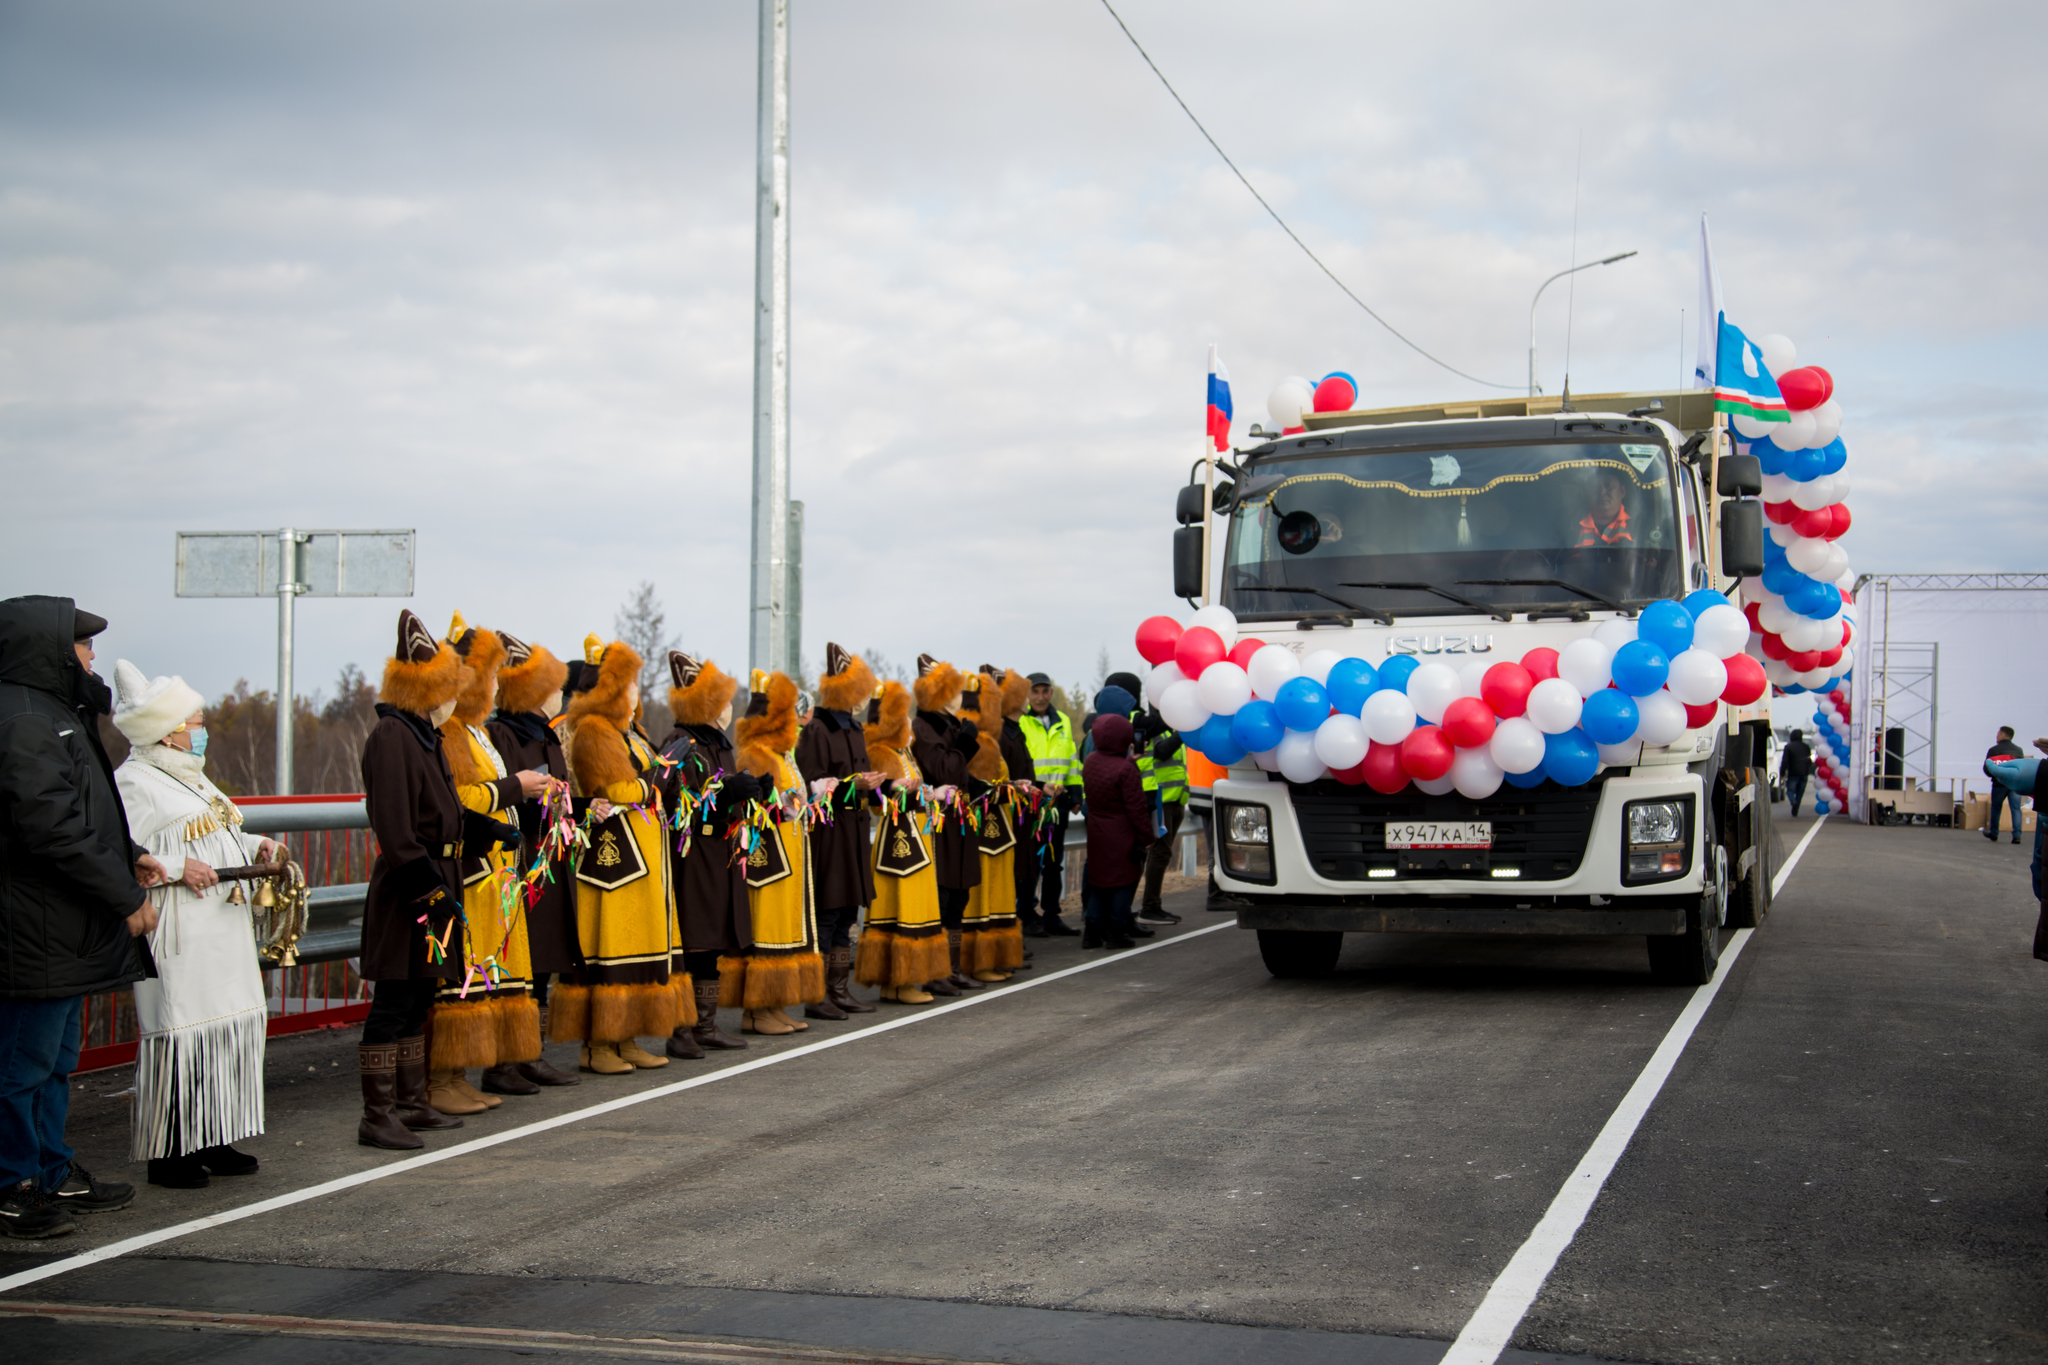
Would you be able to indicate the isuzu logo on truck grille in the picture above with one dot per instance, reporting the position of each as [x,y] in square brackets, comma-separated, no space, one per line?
[1440,644]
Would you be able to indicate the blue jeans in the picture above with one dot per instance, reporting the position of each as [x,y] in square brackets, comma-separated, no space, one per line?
[2001,796]
[38,1048]
[1795,792]
[1107,909]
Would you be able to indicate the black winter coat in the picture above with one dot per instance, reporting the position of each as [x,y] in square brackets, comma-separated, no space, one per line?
[67,863]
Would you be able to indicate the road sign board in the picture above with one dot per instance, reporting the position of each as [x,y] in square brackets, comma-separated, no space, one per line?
[331,563]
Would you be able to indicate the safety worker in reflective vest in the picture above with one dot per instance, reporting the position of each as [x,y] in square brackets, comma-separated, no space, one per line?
[1163,769]
[1041,863]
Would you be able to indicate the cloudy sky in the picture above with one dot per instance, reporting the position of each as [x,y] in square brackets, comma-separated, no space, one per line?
[485,269]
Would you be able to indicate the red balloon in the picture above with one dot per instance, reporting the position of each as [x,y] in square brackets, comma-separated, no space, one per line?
[1197,648]
[1746,680]
[1541,663]
[1241,652]
[1839,514]
[1383,770]
[1756,625]
[1829,658]
[1698,717]
[1335,394]
[1845,645]
[1468,721]
[1783,513]
[1156,638]
[1350,777]
[1506,688]
[1803,661]
[1426,754]
[1774,646]
[1806,387]
[1818,524]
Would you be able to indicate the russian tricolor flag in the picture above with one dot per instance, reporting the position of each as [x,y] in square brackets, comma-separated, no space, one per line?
[1219,402]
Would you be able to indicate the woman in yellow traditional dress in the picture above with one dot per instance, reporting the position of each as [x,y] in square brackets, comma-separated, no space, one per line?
[489,1018]
[904,944]
[625,904]
[782,967]
[995,948]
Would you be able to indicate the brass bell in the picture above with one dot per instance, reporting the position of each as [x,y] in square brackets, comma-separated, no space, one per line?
[266,896]
[235,896]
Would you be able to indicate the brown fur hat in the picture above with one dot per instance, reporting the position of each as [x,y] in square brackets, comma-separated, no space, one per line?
[530,676]
[485,654]
[848,681]
[938,682]
[888,734]
[618,668]
[701,693]
[598,716]
[987,763]
[422,674]
[765,737]
[1016,692]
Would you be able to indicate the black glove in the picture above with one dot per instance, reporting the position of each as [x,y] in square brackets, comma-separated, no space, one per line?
[966,740]
[738,789]
[1149,725]
[1163,750]
[1067,800]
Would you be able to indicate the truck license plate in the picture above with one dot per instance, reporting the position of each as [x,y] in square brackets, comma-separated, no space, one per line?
[1439,834]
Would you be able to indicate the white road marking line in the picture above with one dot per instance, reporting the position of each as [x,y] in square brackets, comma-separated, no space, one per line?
[114,1250]
[1488,1332]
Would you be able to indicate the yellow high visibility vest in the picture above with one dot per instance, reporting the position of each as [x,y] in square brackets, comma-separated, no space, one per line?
[1050,738]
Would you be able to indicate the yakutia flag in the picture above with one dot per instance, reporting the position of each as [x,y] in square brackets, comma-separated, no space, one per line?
[1741,383]
[1219,402]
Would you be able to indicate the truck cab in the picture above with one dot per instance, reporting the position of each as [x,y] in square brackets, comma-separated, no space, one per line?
[1475,533]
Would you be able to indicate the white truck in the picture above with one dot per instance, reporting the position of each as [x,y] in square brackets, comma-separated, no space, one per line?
[1481,531]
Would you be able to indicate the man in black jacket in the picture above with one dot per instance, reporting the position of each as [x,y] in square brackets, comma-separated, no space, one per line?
[71,903]
[1795,766]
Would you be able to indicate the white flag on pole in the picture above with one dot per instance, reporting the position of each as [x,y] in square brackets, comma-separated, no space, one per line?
[1710,314]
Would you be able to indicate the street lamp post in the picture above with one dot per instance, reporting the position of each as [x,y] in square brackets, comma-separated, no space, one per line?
[1610,260]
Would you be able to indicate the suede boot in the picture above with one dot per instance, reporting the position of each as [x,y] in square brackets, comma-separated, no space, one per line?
[445,1094]
[838,983]
[414,1110]
[631,1051]
[380,1126]
[907,995]
[604,1059]
[781,1015]
[706,1031]
[506,1080]
[471,1093]
[765,1021]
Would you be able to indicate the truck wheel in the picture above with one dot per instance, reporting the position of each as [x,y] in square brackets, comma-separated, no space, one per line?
[1750,898]
[1689,959]
[1300,952]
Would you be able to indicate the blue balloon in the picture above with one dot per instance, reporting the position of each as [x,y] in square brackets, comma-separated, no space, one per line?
[1302,704]
[1833,683]
[1779,577]
[1532,778]
[1820,808]
[1339,374]
[1697,602]
[1769,457]
[1812,598]
[1806,466]
[1836,455]
[1640,668]
[1225,753]
[1667,625]
[1256,727]
[1791,689]
[1215,733]
[1774,553]
[1610,716]
[1394,673]
[1569,759]
[1351,682]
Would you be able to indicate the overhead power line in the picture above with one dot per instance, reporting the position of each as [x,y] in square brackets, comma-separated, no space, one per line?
[1275,213]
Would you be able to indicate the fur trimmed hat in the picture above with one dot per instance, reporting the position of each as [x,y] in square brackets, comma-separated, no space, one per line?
[485,654]
[422,675]
[701,692]
[150,709]
[531,675]
[938,683]
[768,730]
[987,713]
[888,729]
[848,681]
[609,672]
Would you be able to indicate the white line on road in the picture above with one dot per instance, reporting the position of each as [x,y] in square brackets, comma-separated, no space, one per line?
[1516,1287]
[213,1220]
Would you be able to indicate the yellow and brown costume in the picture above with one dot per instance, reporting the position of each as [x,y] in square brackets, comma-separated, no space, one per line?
[491,1019]
[993,938]
[903,944]
[625,903]
[782,966]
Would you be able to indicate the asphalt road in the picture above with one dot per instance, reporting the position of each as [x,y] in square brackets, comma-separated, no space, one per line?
[1175,1156]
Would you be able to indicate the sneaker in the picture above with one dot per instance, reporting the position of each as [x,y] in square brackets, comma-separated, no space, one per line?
[1133,929]
[82,1194]
[1158,917]
[26,1212]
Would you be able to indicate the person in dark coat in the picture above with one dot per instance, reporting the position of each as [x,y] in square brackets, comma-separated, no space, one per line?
[832,754]
[72,903]
[409,792]
[1119,831]
[711,885]
[1795,766]
[943,745]
[529,697]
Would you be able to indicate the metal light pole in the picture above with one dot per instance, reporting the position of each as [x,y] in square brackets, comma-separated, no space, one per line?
[768,597]
[288,589]
[1539,294]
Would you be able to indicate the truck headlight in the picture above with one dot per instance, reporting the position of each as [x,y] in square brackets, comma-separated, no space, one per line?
[1656,822]
[1247,825]
[1247,851]
[1659,841]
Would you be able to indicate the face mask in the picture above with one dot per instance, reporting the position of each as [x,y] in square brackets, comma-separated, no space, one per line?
[198,735]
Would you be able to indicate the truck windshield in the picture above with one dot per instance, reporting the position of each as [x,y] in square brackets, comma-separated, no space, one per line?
[1555,527]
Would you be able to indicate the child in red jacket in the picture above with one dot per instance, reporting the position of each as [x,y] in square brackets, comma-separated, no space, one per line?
[1119,831]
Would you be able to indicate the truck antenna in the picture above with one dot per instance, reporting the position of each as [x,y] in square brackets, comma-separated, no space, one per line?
[1572,291]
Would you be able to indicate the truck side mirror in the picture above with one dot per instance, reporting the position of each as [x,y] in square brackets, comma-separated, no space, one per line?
[1187,505]
[1742,538]
[1187,560]
[1739,476]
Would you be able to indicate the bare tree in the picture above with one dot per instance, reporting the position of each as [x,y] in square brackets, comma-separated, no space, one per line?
[642,623]
[885,670]
[1102,670]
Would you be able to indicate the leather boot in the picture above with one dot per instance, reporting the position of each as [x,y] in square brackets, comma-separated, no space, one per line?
[414,1110]
[942,987]
[380,1126]
[683,1046]
[185,1172]
[707,1032]
[446,1097]
[604,1059]
[543,1072]
[838,983]
[908,995]
[781,1015]
[957,979]
[825,1009]
[506,1080]
[631,1051]
[764,1021]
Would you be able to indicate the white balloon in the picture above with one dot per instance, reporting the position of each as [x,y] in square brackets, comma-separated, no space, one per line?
[1268,759]
[1812,677]
[1161,678]
[1807,555]
[1753,589]
[1319,664]
[1623,755]
[1223,687]
[1298,761]
[1662,718]
[1271,666]
[1181,707]
[1779,672]
[1838,558]
[1614,634]
[1774,616]
[1721,631]
[1809,496]
[1220,619]
[1517,745]
[1286,402]
[1475,774]
[1341,741]
[1784,535]
[1840,486]
[1778,353]
[1554,707]
[1697,677]
[1797,434]
[1778,487]
[1804,633]
[1432,687]
[1588,665]
[1389,716]
[1437,786]
[1827,423]
[1471,677]
[1750,428]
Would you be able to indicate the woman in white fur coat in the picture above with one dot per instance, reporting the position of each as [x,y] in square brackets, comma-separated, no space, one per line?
[199,1066]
